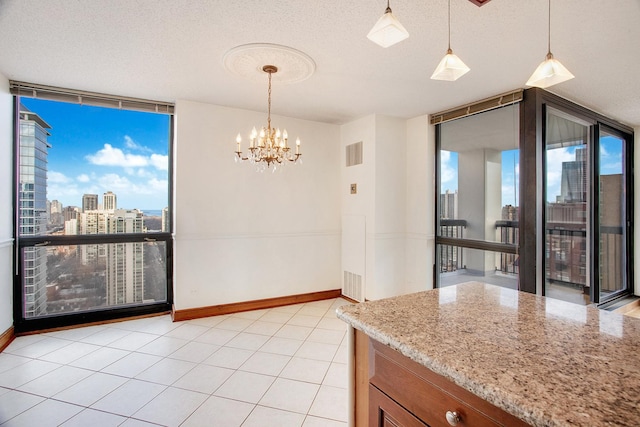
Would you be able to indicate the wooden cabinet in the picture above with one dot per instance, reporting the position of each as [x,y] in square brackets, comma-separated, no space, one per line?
[403,393]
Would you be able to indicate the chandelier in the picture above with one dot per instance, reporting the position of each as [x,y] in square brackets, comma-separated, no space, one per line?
[270,146]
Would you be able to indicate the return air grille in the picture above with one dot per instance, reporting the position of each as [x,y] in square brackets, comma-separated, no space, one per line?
[354,154]
[352,286]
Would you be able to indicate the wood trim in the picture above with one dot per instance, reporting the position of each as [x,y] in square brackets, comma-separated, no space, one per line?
[236,307]
[361,384]
[6,338]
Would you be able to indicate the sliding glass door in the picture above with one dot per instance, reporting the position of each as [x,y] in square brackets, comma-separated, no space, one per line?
[611,214]
[586,223]
[567,202]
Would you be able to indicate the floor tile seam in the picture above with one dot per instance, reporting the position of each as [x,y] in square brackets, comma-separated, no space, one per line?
[25,410]
[314,401]
[69,386]
[41,355]
[184,419]
[73,360]
[234,400]
[324,418]
[279,409]
[176,380]
[45,373]
[118,388]
[315,395]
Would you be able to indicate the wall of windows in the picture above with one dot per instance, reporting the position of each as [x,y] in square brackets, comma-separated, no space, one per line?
[92,219]
[548,214]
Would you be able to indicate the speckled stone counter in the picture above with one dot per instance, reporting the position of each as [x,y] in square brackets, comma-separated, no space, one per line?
[547,362]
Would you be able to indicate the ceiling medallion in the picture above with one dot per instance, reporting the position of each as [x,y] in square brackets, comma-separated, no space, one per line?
[247,61]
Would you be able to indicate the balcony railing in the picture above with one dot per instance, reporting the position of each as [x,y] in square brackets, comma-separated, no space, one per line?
[508,231]
[451,258]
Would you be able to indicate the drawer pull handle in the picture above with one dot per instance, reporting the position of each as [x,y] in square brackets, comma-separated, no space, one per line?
[453,418]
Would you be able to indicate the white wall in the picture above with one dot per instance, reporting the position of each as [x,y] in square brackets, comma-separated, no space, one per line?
[420,211]
[241,235]
[395,195]
[388,236]
[6,206]
[358,210]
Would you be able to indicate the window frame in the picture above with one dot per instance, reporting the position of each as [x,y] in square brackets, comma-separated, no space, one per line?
[532,217]
[23,324]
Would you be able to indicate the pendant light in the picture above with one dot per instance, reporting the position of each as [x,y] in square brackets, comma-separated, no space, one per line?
[388,30]
[550,71]
[451,67]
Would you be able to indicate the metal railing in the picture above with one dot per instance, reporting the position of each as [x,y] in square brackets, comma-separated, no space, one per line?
[451,258]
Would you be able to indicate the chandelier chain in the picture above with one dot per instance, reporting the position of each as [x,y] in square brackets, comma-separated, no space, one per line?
[269,105]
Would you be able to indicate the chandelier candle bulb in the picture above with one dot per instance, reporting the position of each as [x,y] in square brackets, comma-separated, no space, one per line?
[238,140]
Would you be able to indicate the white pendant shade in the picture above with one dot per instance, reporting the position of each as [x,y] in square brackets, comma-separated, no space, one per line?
[450,68]
[387,31]
[549,73]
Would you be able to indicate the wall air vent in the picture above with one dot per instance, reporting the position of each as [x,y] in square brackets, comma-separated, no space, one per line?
[354,154]
[352,286]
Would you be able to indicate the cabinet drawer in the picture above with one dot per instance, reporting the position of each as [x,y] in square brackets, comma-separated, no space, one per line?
[428,395]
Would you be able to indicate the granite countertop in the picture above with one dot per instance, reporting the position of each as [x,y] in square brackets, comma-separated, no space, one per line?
[548,362]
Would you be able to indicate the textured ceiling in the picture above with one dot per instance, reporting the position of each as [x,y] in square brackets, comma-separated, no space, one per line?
[170,50]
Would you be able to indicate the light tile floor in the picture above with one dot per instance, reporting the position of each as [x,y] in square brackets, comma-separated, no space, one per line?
[284,366]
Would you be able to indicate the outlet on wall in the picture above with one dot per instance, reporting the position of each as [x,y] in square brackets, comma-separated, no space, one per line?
[354,188]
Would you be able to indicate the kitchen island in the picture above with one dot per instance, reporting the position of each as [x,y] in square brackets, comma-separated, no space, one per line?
[477,354]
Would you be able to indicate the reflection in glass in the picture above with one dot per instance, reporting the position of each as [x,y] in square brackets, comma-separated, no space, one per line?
[478,175]
[566,208]
[78,278]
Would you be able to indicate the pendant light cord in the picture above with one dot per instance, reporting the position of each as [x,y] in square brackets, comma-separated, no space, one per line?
[549,38]
[449,21]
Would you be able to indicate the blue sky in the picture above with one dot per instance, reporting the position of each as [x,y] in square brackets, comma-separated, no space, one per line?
[95,150]
[610,163]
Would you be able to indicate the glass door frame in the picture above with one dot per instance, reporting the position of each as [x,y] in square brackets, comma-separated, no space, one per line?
[627,230]
[532,187]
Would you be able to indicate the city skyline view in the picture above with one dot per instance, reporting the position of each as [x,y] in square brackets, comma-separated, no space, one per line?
[95,150]
[610,163]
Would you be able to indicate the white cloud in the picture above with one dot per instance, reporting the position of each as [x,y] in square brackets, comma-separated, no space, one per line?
[158,185]
[83,177]
[110,156]
[555,158]
[57,177]
[115,182]
[132,145]
[160,162]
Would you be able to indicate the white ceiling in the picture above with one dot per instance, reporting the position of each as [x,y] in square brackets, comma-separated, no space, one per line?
[172,49]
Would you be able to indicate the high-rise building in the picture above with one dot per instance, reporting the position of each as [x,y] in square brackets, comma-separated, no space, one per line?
[449,203]
[125,261]
[70,212]
[33,208]
[54,209]
[166,227]
[573,184]
[109,201]
[89,202]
